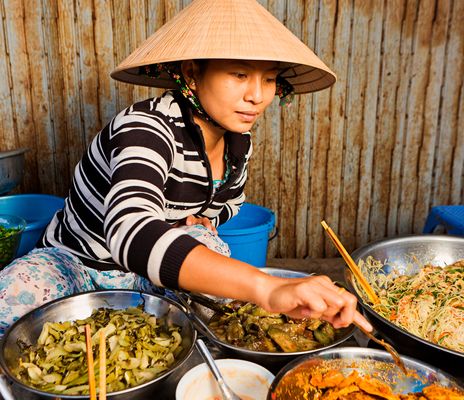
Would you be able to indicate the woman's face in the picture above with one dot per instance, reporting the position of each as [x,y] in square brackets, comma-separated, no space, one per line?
[234,92]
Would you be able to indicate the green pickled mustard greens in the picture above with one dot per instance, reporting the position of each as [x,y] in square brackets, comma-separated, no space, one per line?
[139,348]
[8,244]
[7,232]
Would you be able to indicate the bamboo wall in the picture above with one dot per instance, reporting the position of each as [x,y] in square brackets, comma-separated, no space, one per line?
[370,156]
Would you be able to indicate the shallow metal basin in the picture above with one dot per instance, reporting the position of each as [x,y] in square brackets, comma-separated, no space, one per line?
[439,250]
[11,169]
[376,363]
[272,360]
[28,328]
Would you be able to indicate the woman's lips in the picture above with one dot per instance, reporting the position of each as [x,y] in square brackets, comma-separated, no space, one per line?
[247,116]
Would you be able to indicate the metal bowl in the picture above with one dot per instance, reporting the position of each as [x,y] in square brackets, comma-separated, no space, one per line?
[438,250]
[376,363]
[272,360]
[11,169]
[28,328]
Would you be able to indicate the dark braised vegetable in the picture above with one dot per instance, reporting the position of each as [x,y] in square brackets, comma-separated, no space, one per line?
[252,327]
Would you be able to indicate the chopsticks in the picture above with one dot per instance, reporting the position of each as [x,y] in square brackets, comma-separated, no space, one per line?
[351,264]
[91,372]
[102,365]
[102,394]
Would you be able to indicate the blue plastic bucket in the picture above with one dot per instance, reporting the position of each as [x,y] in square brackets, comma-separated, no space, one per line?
[36,209]
[248,234]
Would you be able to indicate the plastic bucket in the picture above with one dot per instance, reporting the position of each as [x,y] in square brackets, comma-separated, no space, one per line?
[36,209]
[248,234]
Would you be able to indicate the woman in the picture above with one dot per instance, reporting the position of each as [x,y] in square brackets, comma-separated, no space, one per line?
[165,172]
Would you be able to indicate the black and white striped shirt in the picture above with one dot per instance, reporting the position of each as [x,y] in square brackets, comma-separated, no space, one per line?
[146,170]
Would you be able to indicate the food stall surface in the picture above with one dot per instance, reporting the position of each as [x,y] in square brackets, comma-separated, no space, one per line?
[333,267]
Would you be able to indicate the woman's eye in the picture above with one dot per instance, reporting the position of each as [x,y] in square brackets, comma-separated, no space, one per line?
[271,80]
[240,75]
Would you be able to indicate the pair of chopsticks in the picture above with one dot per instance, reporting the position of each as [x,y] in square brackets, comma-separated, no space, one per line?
[352,265]
[102,365]
[370,292]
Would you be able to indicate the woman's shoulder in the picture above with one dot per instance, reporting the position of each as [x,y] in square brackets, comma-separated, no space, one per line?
[165,105]
[163,111]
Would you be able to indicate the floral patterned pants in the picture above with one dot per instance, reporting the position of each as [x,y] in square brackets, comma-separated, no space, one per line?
[46,274]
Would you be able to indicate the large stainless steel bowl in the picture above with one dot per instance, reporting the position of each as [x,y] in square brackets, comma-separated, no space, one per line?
[11,169]
[376,363]
[438,250]
[27,329]
[272,360]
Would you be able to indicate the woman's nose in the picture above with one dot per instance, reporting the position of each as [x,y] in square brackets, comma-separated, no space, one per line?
[254,91]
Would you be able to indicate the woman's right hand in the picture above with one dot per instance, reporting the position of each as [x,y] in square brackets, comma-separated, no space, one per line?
[312,297]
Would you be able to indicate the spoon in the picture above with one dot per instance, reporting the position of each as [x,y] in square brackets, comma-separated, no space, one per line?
[201,326]
[370,292]
[5,389]
[395,355]
[209,303]
[227,393]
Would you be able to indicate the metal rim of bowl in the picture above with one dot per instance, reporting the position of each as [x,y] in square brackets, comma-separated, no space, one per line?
[349,277]
[12,153]
[243,350]
[11,168]
[404,239]
[283,272]
[126,391]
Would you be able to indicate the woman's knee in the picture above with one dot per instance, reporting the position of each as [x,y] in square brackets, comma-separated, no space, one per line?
[31,281]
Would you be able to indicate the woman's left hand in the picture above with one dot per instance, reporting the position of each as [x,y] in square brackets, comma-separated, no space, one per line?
[192,220]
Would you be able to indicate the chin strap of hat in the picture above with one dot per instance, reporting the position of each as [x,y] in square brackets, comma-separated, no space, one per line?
[284,89]
[172,69]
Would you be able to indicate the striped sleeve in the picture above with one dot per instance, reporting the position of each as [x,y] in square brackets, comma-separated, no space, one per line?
[137,235]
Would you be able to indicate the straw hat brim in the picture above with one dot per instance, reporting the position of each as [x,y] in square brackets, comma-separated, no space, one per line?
[226,29]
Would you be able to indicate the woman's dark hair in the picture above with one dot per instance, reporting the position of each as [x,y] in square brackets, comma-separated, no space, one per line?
[202,64]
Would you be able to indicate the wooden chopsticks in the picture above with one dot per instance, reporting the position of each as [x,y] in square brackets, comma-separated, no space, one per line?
[102,365]
[351,264]
[102,393]
[91,372]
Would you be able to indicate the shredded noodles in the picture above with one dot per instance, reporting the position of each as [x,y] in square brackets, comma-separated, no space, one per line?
[428,303]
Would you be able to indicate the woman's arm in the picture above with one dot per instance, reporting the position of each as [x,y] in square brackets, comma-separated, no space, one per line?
[141,152]
[205,271]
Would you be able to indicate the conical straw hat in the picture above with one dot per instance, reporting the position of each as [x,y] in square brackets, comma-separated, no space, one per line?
[226,29]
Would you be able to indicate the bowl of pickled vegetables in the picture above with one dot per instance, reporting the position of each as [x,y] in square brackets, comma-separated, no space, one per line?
[11,230]
[148,339]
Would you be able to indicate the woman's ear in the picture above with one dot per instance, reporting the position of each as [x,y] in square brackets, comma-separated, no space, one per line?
[189,70]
